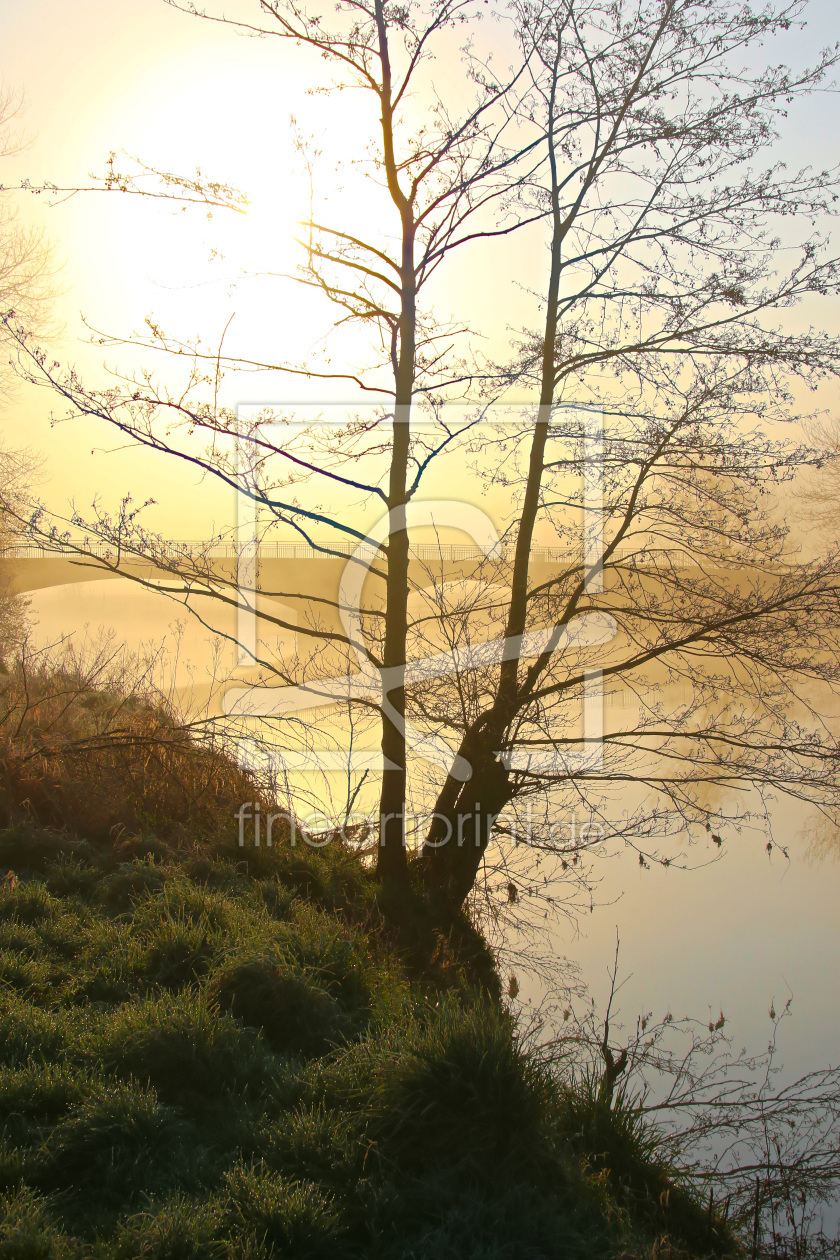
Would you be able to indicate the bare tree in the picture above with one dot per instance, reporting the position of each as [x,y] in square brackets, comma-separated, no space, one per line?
[440,178]
[632,136]
[660,278]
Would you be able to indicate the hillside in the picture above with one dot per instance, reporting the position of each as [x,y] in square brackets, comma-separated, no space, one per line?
[204,1056]
[214,1051]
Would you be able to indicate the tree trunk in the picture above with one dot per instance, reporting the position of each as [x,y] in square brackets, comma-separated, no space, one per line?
[391,863]
[391,860]
[456,843]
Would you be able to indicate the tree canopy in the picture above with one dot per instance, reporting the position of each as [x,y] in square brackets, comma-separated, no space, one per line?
[633,433]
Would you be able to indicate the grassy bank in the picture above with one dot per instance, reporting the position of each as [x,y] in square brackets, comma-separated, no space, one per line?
[208,1055]
[211,1051]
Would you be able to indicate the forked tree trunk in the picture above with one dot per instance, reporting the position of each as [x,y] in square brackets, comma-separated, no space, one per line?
[459,836]
[469,811]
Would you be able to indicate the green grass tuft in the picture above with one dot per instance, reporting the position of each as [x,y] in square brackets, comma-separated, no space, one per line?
[295,1014]
[182,1228]
[283,1217]
[29,1228]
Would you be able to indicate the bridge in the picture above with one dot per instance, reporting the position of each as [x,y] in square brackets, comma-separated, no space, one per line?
[297,582]
[29,567]
[293,580]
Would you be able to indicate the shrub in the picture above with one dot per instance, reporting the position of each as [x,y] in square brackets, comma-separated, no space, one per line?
[619,1142]
[88,746]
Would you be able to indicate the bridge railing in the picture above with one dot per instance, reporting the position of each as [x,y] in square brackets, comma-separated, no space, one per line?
[196,549]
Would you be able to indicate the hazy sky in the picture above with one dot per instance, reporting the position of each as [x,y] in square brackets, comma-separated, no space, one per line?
[178,92]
